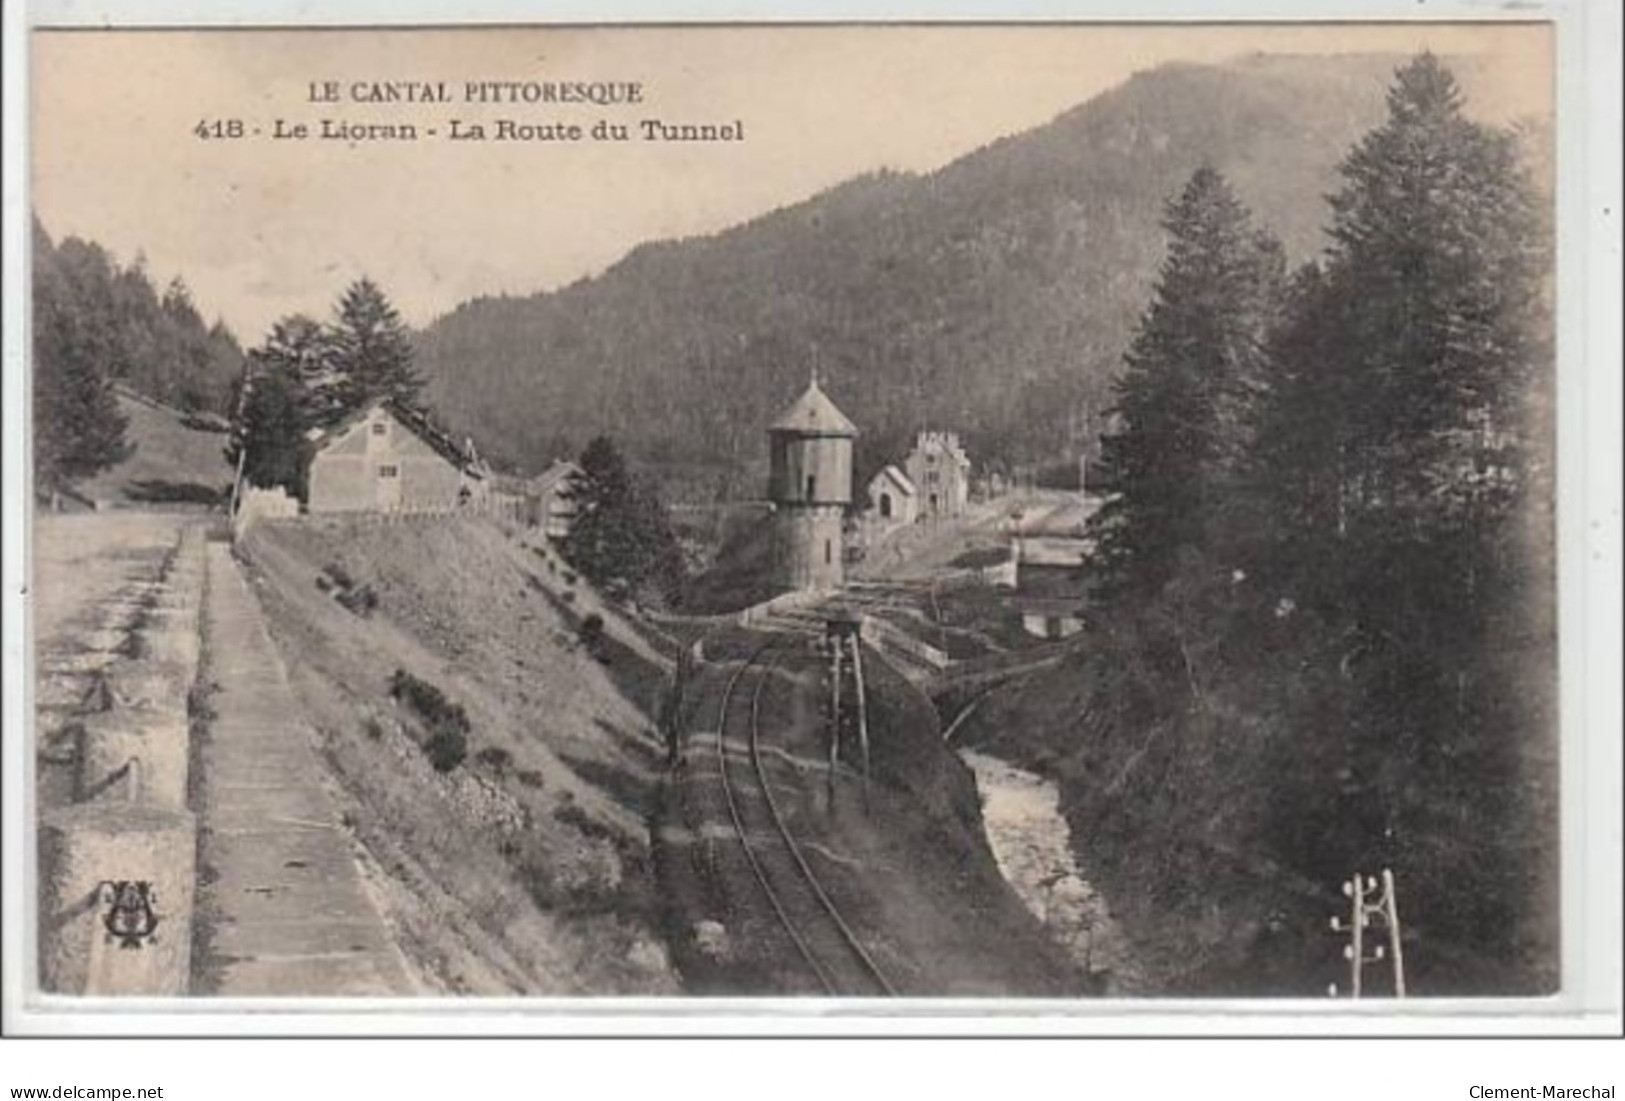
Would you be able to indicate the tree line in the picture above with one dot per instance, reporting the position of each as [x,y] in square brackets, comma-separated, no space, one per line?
[1326,552]
[97,323]
[309,375]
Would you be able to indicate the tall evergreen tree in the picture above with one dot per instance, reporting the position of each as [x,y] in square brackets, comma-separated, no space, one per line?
[310,354]
[78,428]
[619,538]
[1185,402]
[372,350]
[1405,468]
[270,435]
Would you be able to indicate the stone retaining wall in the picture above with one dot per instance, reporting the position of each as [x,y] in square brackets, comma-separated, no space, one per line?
[117,865]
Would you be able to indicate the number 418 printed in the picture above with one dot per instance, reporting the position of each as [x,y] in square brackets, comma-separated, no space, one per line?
[220,128]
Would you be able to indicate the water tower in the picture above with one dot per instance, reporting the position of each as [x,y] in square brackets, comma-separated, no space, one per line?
[810,484]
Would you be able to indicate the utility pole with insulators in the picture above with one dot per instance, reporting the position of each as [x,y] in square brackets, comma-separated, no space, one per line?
[1373,905]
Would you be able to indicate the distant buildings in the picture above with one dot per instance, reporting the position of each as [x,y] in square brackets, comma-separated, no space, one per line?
[386,458]
[1049,552]
[940,470]
[548,494]
[893,498]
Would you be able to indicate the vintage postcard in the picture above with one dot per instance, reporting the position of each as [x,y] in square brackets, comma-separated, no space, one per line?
[985,515]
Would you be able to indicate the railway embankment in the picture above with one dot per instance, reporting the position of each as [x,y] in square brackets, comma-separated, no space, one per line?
[487,733]
[903,860]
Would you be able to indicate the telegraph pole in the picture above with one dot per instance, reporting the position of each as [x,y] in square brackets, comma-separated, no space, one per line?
[1371,902]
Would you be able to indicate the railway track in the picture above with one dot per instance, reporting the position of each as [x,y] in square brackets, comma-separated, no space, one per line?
[834,956]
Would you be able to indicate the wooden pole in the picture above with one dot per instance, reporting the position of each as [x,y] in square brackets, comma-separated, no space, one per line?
[834,715]
[1356,948]
[863,713]
[1393,932]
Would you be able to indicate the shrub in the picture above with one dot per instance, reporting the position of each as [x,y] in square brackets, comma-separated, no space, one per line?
[361,601]
[340,576]
[591,631]
[446,722]
[495,758]
[530,778]
[446,749]
[374,729]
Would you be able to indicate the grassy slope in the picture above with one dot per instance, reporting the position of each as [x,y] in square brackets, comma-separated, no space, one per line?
[520,876]
[171,462]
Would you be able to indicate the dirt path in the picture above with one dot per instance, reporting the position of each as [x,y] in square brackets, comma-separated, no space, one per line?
[281,900]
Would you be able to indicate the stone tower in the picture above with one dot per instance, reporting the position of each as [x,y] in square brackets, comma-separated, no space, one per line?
[810,484]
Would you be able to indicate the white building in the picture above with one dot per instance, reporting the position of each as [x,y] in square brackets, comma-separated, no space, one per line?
[894,499]
[940,470]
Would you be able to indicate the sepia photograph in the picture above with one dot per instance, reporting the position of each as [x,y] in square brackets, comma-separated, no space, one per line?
[863,515]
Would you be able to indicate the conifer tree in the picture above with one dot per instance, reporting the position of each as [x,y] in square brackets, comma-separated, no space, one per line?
[372,350]
[78,427]
[1186,401]
[619,537]
[1404,468]
[271,434]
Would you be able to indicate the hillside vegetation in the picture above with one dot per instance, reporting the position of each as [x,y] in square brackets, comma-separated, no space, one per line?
[169,461]
[496,767]
[991,296]
[1325,643]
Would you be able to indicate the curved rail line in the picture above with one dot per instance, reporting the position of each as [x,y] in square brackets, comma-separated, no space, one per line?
[819,969]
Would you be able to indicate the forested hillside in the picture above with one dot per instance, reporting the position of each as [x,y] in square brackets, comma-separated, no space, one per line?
[1326,644]
[97,323]
[992,296]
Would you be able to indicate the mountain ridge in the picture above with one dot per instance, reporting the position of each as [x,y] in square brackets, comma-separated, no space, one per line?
[993,295]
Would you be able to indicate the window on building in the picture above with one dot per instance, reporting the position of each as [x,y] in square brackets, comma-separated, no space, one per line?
[389,471]
[885,506]
[379,428]
[812,482]
[827,552]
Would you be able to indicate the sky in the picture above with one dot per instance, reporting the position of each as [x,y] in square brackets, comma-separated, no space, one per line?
[261,227]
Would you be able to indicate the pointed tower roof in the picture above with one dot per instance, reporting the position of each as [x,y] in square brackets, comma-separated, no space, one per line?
[813,414]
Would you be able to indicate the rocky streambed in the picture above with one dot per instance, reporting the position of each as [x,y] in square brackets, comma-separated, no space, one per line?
[1033,847]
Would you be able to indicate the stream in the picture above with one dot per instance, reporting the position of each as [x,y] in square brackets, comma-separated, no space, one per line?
[1032,844]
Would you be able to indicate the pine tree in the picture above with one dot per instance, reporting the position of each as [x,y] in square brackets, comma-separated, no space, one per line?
[78,427]
[271,433]
[1186,402]
[619,536]
[372,350]
[1438,258]
[310,355]
[1404,468]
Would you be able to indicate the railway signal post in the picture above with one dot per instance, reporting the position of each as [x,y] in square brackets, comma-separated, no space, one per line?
[841,631]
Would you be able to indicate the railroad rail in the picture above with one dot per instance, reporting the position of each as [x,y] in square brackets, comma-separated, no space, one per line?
[828,946]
